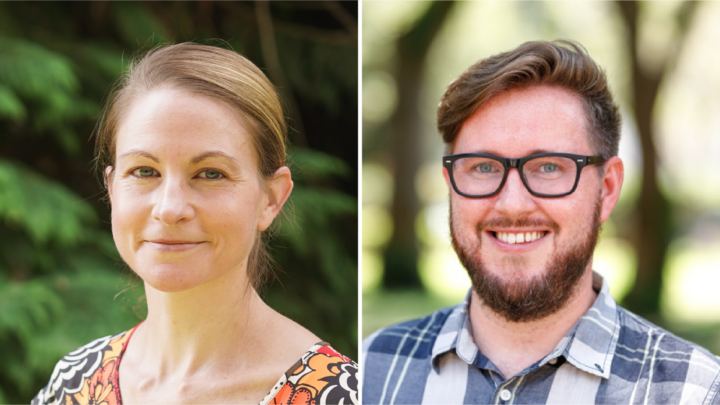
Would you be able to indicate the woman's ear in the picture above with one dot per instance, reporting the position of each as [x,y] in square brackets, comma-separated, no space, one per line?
[108,181]
[279,188]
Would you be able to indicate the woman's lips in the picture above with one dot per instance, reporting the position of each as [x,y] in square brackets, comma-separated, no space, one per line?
[173,246]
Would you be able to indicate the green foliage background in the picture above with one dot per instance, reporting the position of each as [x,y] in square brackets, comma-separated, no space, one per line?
[62,283]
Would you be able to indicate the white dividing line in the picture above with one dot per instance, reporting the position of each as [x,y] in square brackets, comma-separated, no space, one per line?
[652,366]
[409,358]
[647,348]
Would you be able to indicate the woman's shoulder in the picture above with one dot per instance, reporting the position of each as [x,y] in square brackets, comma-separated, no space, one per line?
[321,376]
[78,375]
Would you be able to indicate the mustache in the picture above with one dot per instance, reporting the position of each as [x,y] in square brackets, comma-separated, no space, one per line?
[504,222]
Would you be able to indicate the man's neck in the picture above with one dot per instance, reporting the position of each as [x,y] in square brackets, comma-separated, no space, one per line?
[513,346]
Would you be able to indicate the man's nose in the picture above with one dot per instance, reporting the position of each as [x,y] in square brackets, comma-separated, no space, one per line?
[173,203]
[514,199]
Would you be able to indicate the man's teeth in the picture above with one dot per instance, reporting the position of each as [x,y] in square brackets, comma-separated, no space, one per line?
[522,237]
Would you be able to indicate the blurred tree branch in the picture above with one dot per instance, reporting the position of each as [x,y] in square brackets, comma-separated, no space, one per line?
[272,60]
[244,13]
[345,18]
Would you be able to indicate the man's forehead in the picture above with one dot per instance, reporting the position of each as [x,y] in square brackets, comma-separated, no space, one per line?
[526,121]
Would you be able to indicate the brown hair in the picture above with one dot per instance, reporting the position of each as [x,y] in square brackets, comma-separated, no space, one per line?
[559,63]
[221,75]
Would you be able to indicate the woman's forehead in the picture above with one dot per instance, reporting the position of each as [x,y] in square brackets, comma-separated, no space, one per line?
[178,121]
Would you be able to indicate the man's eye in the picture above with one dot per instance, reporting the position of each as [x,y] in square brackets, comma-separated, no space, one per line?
[548,168]
[485,168]
[211,174]
[144,172]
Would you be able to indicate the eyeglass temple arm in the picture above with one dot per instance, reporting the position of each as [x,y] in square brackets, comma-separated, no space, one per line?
[593,160]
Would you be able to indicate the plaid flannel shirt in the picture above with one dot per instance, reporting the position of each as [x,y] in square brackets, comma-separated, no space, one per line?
[610,356]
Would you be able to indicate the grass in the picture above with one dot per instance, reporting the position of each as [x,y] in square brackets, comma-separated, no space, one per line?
[383,308]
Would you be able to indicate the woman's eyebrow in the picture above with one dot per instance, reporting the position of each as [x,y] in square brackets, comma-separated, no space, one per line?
[211,154]
[138,152]
[196,159]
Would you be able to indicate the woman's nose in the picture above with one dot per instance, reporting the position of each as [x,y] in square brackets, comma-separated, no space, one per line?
[173,203]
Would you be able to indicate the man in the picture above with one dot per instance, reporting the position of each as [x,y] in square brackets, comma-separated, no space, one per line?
[532,169]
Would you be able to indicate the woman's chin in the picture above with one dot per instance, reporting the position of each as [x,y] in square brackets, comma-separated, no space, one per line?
[173,278]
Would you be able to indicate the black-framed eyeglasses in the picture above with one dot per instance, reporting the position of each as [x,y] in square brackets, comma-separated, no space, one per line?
[479,175]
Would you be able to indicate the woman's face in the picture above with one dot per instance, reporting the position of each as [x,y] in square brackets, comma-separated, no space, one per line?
[187,197]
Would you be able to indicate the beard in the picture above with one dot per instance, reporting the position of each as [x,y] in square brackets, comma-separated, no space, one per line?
[536,297]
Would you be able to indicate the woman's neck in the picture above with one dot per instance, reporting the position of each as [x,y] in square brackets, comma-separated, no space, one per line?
[204,328]
[217,343]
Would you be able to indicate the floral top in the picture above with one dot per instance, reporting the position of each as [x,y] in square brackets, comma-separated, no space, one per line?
[89,375]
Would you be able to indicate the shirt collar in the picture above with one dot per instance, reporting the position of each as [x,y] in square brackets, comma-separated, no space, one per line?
[589,345]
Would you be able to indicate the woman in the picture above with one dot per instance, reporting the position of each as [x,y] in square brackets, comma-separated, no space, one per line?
[193,149]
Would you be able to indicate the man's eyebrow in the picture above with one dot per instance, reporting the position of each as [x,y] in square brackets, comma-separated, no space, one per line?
[138,152]
[487,152]
[537,151]
[212,154]
[495,153]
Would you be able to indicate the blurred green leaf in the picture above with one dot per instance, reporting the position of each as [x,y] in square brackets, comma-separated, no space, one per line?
[10,104]
[45,209]
[138,25]
[309,165]
[32,70]
[26,307]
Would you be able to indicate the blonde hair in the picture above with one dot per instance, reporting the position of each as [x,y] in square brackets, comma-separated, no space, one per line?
[221,75]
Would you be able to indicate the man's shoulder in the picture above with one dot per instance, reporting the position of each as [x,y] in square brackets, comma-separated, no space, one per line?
[645,348]
[639,333]
[396,360]
[420,331]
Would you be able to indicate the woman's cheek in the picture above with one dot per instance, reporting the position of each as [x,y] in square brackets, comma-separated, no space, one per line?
[127,216]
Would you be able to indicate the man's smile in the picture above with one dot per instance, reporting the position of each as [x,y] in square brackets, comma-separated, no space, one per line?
[518,237]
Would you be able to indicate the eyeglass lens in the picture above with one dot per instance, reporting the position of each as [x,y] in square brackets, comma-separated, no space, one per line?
[550,175]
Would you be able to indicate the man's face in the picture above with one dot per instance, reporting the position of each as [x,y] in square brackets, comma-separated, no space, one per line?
[528,280]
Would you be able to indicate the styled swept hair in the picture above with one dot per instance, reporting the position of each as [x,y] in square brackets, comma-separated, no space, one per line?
[560,63]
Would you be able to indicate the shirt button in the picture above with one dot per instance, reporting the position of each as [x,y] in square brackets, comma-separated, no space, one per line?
[553,361]
[505,395]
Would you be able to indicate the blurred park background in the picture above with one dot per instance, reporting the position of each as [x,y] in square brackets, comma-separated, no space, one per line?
[62,283]
[660,250]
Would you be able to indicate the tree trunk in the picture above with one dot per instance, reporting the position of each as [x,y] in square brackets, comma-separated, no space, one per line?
[653,212]
[401,254]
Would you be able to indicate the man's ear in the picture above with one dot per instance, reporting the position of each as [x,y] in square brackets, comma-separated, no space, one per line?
[279,188]
[447,179]
[109,174]
[611,184]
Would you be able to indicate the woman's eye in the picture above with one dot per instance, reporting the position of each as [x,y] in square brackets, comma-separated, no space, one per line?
[211,174]
[144,172]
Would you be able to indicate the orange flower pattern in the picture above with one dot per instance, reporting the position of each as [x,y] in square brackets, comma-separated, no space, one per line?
[322,376]
[89,375]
